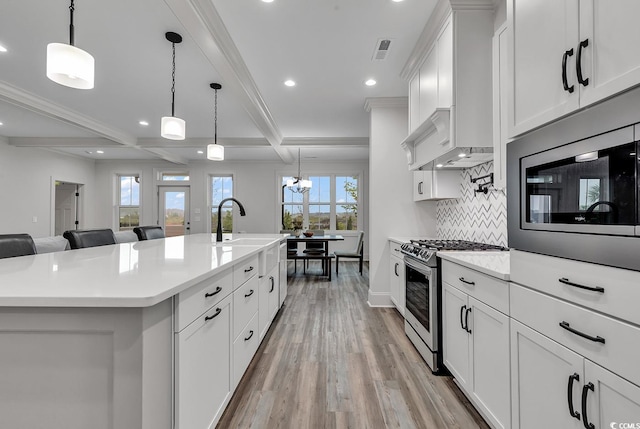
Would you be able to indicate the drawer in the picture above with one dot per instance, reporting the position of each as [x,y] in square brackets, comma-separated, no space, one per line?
[621,287]
[491,291]
[199,298]
[244,347]
[244,271]
[545,314]
[245,303]
[394,248]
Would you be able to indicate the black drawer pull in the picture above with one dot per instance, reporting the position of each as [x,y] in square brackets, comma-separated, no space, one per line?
[466,281]
[218,311]
[248,269]
[585,392]
[395,269]
[466,320]
[583,44]
[273,283]
[461,319]
[217,291]
[573,413]
[566,281]
[249,294]
[249,337]
[565,325]
[565,84]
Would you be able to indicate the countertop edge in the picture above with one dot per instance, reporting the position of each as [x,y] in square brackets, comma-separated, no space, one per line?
[459,258]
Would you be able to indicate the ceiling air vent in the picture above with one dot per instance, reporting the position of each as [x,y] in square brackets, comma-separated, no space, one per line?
[382,49]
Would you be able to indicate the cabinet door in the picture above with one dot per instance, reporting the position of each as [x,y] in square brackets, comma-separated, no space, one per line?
[422,184]
[541,31]
[611,61]
[429,85]
[274,303]
[203,368]
[612,398]
[445,66]
[490,380]
[282,279]
[263,305]
[540,373]
[396,283]
[455,338]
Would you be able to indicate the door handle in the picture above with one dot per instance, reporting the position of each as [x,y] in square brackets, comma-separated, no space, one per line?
[461,319]
[395,269]
[420,188]
[572,377]
[565,84]
[466,320]
[273,283]
[581,80]
[585,392]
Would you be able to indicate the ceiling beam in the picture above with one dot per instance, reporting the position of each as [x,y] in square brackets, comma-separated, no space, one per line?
[49,142]
[176,159]
[201,19]
[326,141]
[202,142]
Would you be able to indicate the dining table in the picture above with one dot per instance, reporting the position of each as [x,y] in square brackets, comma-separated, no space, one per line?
[324,256]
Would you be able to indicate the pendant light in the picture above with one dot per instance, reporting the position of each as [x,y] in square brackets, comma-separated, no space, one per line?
[298,184]
[68,65]
[215,152]
[171,127]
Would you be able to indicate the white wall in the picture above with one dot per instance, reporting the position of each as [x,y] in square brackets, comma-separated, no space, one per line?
[392,211]
[27,175]
[255,185]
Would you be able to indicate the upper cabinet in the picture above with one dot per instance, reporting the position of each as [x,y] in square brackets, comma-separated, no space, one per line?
[585,53]
[450,96]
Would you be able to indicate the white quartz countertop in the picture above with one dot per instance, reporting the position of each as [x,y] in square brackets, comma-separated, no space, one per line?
[493,263]
[139,274]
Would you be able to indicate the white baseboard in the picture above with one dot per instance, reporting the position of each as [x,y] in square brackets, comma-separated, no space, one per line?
[379,299]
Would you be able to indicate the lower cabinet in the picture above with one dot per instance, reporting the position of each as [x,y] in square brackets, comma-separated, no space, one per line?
[476,351]
[553,386]
[203,368]
[396,280]
[269,299]
[244,347]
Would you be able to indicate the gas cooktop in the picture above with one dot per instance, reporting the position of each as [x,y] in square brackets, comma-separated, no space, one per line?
[425,250]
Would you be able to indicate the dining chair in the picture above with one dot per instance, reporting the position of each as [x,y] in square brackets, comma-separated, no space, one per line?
[356,253]
[151,232]
[12,245]
[315,248]
[89,238]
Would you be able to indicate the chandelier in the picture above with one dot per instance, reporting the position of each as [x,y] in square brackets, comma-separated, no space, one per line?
[298,184]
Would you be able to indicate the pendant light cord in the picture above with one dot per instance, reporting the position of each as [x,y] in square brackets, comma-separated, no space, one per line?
[173,80]
[71,30]
[215,118]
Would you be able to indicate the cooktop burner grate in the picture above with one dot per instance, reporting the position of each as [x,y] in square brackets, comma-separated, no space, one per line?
[456,245]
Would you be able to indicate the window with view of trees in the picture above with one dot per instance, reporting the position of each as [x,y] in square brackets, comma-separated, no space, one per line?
[221,188]
[330,204]
[128,201]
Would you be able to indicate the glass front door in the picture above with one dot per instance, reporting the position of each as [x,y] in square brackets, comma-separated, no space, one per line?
[174,210]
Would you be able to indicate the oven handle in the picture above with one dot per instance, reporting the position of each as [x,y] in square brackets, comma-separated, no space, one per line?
[423,269]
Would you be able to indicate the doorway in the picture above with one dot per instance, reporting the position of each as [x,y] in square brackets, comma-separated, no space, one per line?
[66,207]
[173,214]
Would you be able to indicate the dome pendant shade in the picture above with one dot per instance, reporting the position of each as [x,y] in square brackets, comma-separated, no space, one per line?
[70,66]
[215,152]
[173,128]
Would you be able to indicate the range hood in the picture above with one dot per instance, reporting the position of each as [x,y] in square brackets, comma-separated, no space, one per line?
[433,145]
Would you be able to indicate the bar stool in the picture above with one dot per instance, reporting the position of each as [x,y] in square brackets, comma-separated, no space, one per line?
[149,232]
[89,238]
[12,245]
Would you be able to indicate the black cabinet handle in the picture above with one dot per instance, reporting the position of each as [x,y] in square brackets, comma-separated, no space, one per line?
[248,269]
[273,283]
[565,84]
[215,292]
[585,392]
[466,320]
[395,268]
[566,281]
[420,188]
[466,281]
[218,311]
[249,294]
[249,337]
[573,377]
[565,325]
[461,319]
[583,44]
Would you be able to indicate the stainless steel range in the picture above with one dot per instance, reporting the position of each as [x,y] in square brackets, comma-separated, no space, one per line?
[422,286]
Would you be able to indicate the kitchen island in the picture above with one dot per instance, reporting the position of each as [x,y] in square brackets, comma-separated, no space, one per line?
[125,336]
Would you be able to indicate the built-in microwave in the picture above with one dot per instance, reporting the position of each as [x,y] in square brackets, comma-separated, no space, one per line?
[578,199]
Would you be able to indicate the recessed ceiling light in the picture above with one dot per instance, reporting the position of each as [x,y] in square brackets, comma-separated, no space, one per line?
[200,152]
[3,49]
[462,155]
[267,1]
[370,82]
[397,1]
[439,165]
[143,123]
[1,124]
[290,82]
[100,151]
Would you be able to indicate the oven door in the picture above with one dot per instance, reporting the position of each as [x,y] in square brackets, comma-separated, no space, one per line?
[421,301]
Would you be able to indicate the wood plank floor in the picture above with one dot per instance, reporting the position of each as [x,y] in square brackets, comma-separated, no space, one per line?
[331,361]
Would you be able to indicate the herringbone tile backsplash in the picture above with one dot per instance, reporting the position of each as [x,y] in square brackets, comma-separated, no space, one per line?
[474,217]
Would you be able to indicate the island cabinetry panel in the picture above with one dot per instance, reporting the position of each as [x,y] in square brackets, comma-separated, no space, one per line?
[203,368]
[269,299]
[476,339]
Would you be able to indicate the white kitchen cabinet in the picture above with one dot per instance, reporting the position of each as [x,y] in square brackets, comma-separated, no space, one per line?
[476,342]
[397,277]
[268,299]
[436,184]
[414,102]
[429,85]
[585,54]
[500,107]
[203,368]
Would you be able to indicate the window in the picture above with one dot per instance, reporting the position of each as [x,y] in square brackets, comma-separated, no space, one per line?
[330,204]
[128,201]
[221,188]
[181,176]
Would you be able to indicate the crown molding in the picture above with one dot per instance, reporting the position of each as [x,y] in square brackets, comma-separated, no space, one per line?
[201,19]
[385,102]
[326,141]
